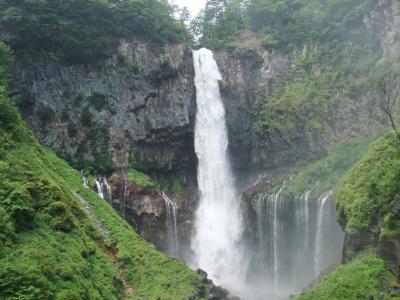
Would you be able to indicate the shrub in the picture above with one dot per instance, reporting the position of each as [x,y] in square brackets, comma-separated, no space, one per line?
[60,217]
[22,281]
[72,130]
[86,117]
[45,113]
[98,100]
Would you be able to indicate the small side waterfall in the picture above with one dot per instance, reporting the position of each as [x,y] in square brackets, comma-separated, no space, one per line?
[298,238]
[218,220]
[85,182]
[99,188]
[276,231]
[320,226]
[123,200]
[171,224]
[108,190]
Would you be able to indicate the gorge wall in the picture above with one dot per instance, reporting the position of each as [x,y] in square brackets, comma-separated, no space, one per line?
[136,108]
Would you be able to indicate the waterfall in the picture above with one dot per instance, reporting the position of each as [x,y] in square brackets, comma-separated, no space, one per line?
[305,200]
[298,237]
[108,189]
[123,200]
[85,182]
[171,224]
[218,222]
[260,217]
[318,239]
[99,188]
[276,200]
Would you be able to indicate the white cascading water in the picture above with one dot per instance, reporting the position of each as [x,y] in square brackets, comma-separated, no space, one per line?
[299,238]
[108,189]
[218,222]
[318,240]
[171,224]
[276,200]
[85,182]
[99,189]
[124,193]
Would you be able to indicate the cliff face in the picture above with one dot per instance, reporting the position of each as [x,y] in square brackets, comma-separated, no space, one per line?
[249,77]
[140,101]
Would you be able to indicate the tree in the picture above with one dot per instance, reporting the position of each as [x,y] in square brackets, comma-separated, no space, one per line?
[385,104]
[184,15]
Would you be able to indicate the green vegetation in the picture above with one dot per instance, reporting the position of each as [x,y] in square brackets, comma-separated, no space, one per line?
[140,180]
[328,47]
[325,174]
[84,30]
[98,100]
[137,162]
[370,194]
[364,278]
[308,99]
[283,24]
[177,187]
[61,241]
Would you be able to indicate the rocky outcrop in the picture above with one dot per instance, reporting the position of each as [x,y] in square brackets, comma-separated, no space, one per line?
[145,209]
[359,240]
[384,22]
[136,107]
[249,76]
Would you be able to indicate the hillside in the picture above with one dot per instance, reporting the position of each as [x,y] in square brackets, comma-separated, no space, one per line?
[60,240]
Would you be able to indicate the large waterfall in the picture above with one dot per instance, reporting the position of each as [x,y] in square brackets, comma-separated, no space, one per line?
[287,242]
[218,222]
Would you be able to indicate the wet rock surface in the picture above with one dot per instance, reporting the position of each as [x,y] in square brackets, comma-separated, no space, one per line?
[145,210]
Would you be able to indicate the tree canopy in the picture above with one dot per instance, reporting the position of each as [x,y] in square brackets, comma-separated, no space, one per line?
[282,23]
[85,29]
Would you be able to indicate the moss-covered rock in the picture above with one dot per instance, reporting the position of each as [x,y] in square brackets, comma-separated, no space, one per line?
[370,195]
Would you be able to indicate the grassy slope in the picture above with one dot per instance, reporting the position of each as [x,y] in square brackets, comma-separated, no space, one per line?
[371,191]
[51,249]
[325,174]
[364,278]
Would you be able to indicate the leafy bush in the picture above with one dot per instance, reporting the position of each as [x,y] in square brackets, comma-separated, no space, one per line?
[45,113]
[20,280]
[98,100]
[86,117]
[72,130]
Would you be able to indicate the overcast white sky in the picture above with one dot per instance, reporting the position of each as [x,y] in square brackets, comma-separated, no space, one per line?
[193,5]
